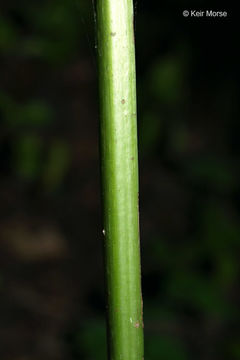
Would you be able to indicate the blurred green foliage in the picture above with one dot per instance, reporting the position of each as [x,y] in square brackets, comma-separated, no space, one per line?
[8,35]
[164,347]
[92,340]
[213,173]
[28,157]
[33,114]
[167,80]
[57,165]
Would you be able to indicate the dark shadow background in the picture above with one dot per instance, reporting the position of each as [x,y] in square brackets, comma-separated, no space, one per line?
[51,272]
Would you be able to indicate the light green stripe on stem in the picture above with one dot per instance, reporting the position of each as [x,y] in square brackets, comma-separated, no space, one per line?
[119,166]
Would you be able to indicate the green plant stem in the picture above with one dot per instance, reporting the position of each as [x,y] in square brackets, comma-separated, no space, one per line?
[119,166]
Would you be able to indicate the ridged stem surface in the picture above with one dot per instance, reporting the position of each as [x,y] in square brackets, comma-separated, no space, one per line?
[119,168]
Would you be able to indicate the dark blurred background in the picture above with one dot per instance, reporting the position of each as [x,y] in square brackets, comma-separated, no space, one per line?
[51,271]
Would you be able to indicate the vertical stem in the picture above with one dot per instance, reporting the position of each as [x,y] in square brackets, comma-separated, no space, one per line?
[119,164]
